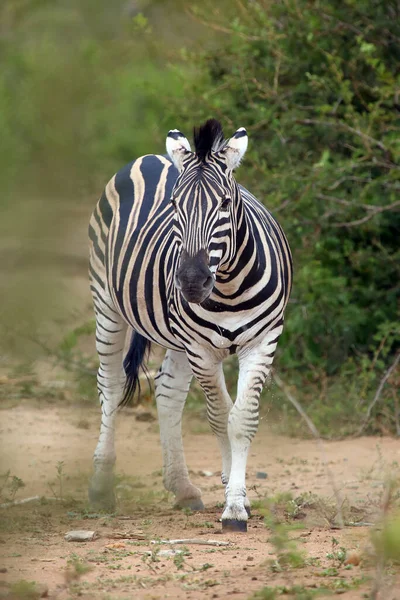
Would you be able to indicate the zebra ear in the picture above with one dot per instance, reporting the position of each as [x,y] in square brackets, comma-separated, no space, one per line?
[177,147]
[235,148]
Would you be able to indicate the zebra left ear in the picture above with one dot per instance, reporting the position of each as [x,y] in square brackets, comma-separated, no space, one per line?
[235,148]
[177,147]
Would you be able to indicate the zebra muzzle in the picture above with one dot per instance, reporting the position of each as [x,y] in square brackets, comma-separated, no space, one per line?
[193,278]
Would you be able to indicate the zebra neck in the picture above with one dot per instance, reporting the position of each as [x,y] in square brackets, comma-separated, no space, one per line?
[243,256]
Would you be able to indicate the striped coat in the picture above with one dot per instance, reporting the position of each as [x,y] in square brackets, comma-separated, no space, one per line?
[192,261]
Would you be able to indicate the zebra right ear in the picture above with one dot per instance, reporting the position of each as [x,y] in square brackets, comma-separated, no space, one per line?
[177,147]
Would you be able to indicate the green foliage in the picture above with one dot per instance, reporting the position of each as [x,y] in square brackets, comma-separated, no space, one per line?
[296,592]
[387,541]
[84,88]
[78,566]
[338,554]
[84,368]
[276,511]
[81,91]
[315,85]
[24,590]
[179,558]
[9,486]
[58,493]
[71,82]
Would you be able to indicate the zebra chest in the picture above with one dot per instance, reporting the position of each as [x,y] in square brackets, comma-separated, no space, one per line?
[220,331]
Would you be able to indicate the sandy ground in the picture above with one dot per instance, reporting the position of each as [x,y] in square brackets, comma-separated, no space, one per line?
[35,439]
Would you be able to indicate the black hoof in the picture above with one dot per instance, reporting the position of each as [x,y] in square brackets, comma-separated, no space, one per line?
[234,525]
[102,499]
[195,504]
[248,511]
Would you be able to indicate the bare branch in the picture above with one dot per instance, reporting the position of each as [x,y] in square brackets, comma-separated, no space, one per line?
[24,501]
[372,207]
[349,178]
[317,436]
[284,204]
[339,200]
[365,162]
[349,26]
[393,186]
[192,541]
[376,211]
[62,358]
[339,124]
[217,27]
[379,391]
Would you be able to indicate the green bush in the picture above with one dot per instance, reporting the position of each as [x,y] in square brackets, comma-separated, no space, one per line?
[85,88]
[316,85]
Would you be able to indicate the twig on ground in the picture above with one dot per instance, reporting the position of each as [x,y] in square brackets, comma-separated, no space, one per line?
[317,436]
[127,535]
[378,392]
[22,501]
[192,541]
[360,524]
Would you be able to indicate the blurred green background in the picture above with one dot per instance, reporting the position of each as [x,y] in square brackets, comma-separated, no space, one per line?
[87,86]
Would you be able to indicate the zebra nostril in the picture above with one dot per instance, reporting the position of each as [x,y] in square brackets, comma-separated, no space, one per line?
[207,282]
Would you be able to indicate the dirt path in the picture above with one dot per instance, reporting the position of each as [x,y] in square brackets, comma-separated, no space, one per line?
[34,441]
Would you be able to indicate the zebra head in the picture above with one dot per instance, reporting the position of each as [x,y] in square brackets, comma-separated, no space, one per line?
[206,201]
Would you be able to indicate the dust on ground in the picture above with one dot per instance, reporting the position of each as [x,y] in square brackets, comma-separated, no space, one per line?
[302,550]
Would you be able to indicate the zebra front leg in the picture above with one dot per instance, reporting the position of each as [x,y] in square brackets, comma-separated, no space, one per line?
[172,386]
[219,404]
[110,340]
[254,367]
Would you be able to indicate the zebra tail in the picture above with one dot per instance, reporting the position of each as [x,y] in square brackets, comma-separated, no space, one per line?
[135,358]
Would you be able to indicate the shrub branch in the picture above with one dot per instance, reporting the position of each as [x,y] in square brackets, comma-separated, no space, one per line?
[282,386]
[378,392]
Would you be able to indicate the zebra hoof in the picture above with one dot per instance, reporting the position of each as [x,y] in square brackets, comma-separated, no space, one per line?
[194,504]
[234,525]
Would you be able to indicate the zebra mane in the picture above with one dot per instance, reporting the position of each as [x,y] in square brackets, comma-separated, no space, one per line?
[209,137]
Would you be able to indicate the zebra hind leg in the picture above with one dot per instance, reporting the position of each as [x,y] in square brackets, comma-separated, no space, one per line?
[172,386]
[110,340]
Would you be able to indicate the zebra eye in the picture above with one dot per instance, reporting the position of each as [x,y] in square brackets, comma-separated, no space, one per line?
[173,202]
[225,203]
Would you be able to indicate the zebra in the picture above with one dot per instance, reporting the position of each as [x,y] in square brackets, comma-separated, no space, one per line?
[183,256]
